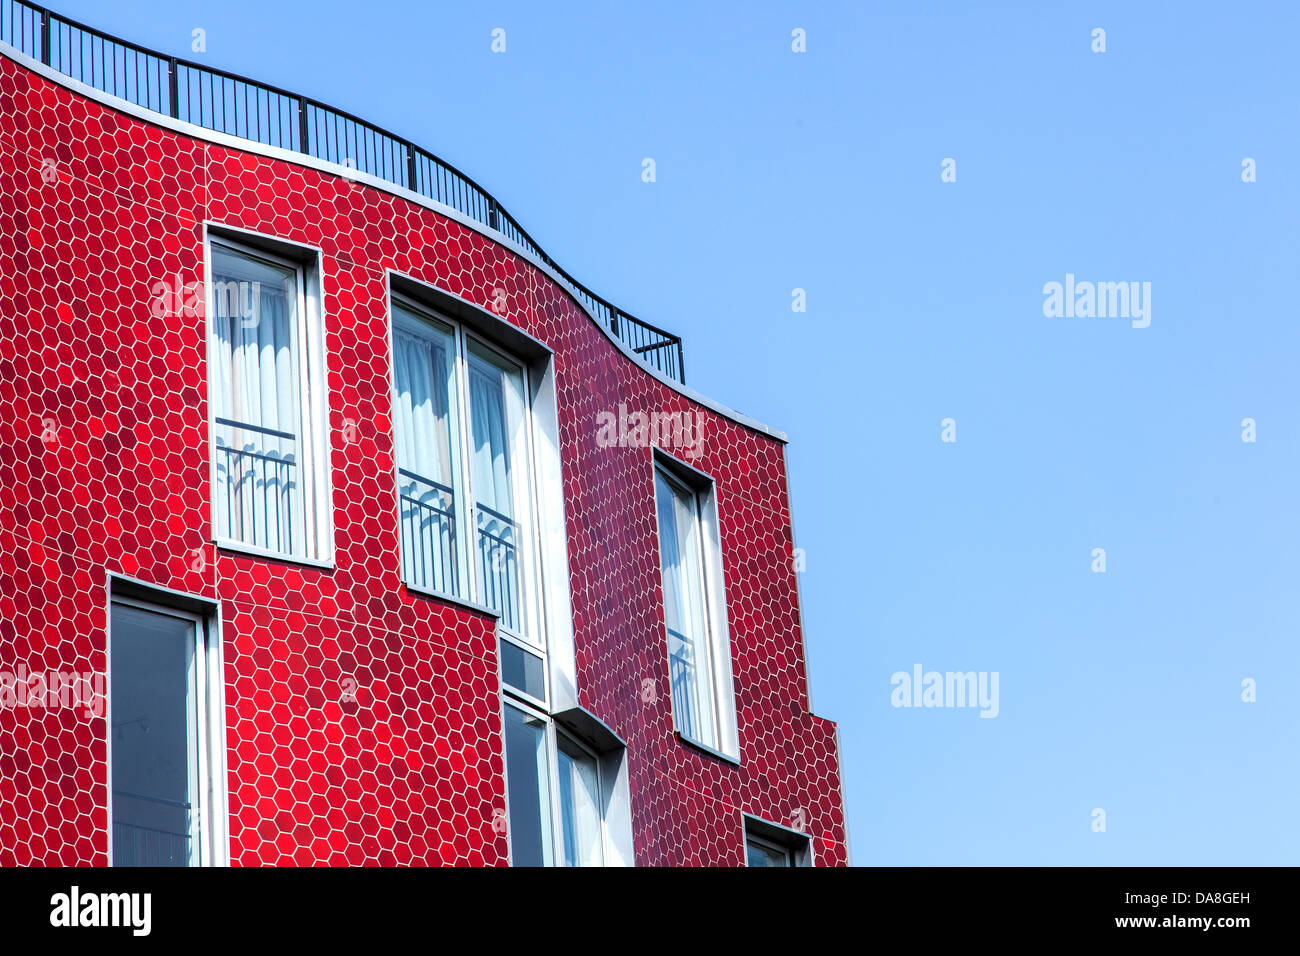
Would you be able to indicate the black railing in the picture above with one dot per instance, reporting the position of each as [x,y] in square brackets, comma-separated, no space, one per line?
[232,104]
[428,532]
[259,484]
[498,549]
[682,677]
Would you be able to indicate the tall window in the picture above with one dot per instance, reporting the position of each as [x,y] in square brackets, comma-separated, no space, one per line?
[160,752]
[531,825]
[581,835]
[428,460]
[554,792]
[267,419]
[499,442]
[686,614]
[467,518]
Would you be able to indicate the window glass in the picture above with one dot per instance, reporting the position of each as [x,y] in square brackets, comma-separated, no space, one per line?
[758,853]
[155,739]
[425,426]
[256,402]
[523,670]
[690,665]
[529,791]
[499,475]
[579,804]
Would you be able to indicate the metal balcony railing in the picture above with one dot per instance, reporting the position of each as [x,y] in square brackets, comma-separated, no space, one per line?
[257,475]
[235,105]
[685,689]
[498,551]
[428,532]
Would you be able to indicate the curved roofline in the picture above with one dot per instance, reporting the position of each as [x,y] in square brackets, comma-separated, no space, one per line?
[193,131]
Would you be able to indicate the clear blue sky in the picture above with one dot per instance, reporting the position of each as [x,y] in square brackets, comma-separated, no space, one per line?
[822,171]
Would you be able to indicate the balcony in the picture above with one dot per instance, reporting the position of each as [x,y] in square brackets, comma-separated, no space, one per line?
[237,106]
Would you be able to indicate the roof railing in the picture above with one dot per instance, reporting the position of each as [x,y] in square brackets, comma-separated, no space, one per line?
[235,105]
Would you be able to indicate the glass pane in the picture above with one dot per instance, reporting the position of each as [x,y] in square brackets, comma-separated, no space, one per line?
[683,586]
[424,410]
[529,789]
[522,670]
[579,804]
[256,403]
[154,739]
[496,427]
[760,854]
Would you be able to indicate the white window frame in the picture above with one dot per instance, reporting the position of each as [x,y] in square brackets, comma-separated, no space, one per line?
[532,609]
[425,319]
[524,480]
[556,734]
[313,402]
[703,491]
[210,833]
[553,733]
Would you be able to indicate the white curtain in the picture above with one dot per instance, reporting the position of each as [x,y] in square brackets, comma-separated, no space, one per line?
[683,584]
[496,423]
[256,403]
[422,409]
[487,392]
[579,806]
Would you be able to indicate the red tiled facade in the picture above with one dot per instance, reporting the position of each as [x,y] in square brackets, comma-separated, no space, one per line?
[104,467]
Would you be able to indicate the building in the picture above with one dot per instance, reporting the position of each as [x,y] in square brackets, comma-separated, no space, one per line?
[339,524]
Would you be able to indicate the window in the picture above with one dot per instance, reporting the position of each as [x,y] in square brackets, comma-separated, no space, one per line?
[556,792]
[267,395]
[529,787]
[768,844]
[453,391]
[498,437]
[759,852]
[699,662]
[428,460]
[580,816]
[161,752]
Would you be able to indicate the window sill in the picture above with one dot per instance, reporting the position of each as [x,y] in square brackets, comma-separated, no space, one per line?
[252,551]
[452,599]
[696,745]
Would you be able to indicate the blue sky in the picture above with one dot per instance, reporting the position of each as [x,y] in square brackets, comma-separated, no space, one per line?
[775,170]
